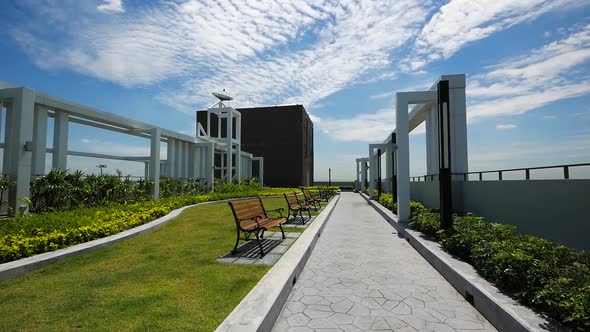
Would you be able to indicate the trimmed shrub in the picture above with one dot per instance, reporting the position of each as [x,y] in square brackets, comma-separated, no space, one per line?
[551,278]
[38,233]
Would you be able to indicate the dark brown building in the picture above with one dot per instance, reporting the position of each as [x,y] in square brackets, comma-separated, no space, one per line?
[283,135]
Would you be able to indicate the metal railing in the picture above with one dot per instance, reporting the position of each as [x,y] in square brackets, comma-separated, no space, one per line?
[500,172]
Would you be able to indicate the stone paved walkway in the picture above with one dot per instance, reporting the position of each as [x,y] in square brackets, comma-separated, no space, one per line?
[362,277]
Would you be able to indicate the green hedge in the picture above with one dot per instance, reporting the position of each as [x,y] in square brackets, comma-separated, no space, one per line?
[33,234]
[551,278]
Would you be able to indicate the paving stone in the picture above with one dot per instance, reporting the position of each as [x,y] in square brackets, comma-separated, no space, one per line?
[300,329]
[268,259]
[227,260]
[310,299]
[349,284]
[402,309]
[350,328]
[288,241]
[314,314]
[439,327]
[321,324]
[295,307]
[280,249]
[244,261]
[364,323]
[359,310]
[413,321]
[320,307]
[341,319]
[380,300]
[298,320]
[342,306]
[291,235]
[395,323]
[464,324]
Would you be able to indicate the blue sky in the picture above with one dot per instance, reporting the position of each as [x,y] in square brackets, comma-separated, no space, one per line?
[527,65]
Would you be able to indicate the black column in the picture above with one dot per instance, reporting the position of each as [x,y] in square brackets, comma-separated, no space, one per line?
[444,140]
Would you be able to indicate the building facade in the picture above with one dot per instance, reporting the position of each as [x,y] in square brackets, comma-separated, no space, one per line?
[283,135]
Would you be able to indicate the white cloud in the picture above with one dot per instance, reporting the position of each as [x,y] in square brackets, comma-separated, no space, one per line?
[461,22]
[111,6]
[384,95]
[527,82]
[505,126]
[365,127]
[252,49]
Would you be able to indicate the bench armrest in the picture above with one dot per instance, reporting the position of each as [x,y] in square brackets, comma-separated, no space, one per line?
[279,210]
[255,219]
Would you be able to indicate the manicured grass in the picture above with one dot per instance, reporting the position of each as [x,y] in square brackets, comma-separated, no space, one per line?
[166,279]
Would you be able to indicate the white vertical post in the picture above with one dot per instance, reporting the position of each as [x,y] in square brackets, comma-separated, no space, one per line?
[192,164]
[261,172]
[178,159]
[60,140]
[432,165]
[403,158]
[186,159]
[238,148]
[171,156]
[459,159]
[222,167]
[154,167]
[229,143]
[17,160]
[39,140]
[389,167]
[372,172]
[211,165]
[363,174]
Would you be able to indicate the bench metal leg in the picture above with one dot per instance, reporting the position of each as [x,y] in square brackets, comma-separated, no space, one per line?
[259,245]
[237,241]
[281,227]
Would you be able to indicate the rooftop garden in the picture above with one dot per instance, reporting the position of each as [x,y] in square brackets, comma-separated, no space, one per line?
[550,278]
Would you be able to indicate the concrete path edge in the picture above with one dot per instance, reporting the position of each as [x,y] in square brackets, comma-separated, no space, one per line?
[261,307]
[500,310]
[23,266]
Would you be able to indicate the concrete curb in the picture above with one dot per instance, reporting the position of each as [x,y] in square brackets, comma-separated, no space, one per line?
[23,266]
[259,310]
[500,310]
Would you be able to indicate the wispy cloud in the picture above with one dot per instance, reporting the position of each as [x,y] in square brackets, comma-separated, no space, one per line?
[366,127]
[530,81]
[461,22]
[237,45]
[505,126]
[111,6]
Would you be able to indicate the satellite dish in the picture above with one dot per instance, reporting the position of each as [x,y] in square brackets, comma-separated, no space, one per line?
[221,96]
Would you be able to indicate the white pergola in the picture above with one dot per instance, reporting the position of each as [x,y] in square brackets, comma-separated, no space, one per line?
[425,110]
[361,173]
[25,142]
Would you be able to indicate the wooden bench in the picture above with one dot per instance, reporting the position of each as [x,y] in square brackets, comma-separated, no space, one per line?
[251,218]
[296,206]
[326,193]
[311,199]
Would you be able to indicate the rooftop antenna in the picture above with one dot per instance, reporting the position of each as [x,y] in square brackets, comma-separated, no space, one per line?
[222,97]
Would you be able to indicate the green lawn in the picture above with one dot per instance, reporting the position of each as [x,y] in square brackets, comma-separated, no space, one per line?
[166,279]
